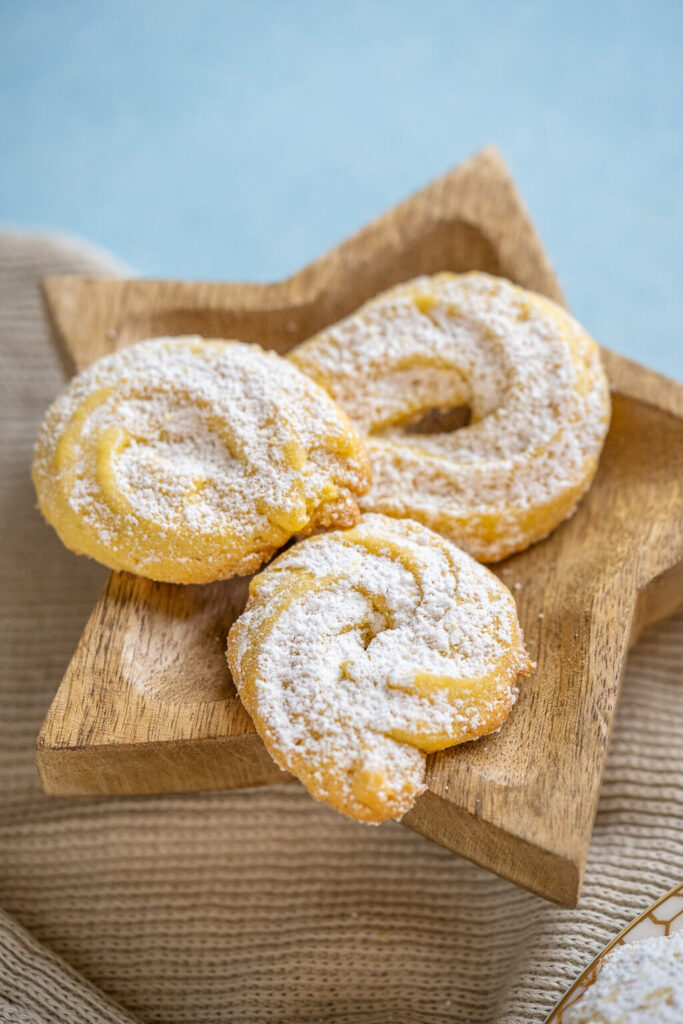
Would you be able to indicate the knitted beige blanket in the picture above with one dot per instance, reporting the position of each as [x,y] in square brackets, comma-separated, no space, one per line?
[265,906]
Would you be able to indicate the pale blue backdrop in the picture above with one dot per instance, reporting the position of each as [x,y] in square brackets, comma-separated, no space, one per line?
[239,140]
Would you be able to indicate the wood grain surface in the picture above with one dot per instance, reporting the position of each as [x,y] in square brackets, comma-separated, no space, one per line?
[147,704]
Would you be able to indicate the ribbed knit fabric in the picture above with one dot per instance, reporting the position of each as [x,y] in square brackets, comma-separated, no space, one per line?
[264,906]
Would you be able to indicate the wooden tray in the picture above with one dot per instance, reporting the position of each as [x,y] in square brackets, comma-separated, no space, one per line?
[147,705]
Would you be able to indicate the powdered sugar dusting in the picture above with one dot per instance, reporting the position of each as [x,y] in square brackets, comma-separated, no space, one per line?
[532,377]
[637,983]
[194,454]
[336,633]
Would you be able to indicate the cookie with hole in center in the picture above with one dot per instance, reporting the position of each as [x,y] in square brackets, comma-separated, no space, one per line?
[528,374]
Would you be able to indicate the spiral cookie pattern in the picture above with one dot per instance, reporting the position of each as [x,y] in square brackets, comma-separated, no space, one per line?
[187,460]
[534,384]
[360,651]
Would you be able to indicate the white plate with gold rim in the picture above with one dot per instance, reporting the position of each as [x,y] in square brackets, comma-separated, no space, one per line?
[663,918]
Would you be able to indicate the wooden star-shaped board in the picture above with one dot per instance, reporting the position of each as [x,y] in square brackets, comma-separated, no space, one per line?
[147,704]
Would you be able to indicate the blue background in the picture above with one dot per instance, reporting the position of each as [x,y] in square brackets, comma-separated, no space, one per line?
[240,140]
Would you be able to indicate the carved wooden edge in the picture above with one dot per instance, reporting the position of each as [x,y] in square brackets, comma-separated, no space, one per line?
[659,599]
[199,764]
[634,380]
[659,590]
[546,873]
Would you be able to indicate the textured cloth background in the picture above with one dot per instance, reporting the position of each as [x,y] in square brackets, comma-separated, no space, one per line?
[264,906]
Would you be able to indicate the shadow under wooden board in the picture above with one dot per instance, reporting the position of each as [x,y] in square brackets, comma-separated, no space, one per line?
[147,704]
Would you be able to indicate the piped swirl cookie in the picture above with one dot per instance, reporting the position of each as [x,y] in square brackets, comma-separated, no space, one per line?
[530,375]
[188,460]
[361,651]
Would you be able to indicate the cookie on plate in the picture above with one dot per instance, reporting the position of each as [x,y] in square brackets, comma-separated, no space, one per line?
[187,460]
[527,372]
[361,651]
